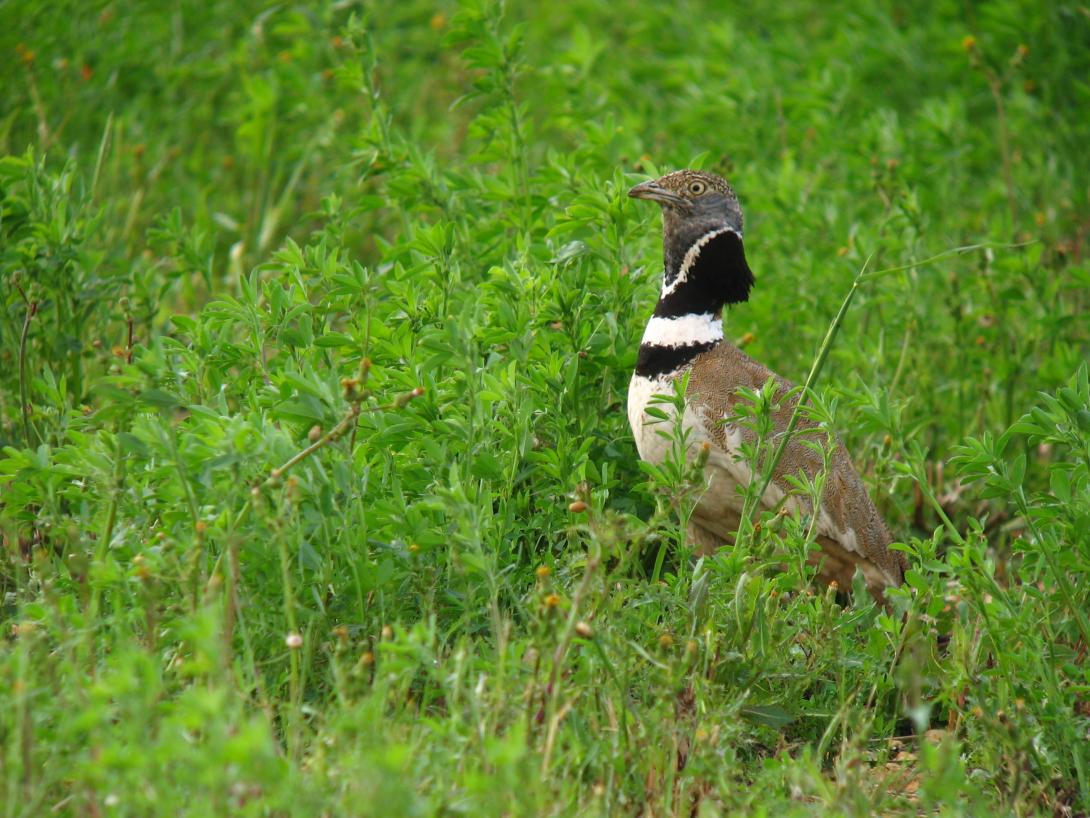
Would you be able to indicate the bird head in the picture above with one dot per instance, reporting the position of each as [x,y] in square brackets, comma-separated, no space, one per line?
[701,232]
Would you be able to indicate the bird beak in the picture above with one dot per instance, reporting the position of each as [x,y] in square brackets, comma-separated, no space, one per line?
[656,193]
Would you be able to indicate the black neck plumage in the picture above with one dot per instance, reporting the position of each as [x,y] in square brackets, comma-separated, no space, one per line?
[698,283]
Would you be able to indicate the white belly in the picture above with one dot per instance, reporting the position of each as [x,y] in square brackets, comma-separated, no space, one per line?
[726,469]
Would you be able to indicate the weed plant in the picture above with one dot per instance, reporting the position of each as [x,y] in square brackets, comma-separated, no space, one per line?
[317,492]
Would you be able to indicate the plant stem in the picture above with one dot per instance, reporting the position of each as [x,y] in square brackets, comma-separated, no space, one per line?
[753,499]
[103,547]
[995,85]
[24,398]
[293,650]
[552,689]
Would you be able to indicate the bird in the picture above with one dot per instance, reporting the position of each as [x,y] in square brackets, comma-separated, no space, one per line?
[705,271]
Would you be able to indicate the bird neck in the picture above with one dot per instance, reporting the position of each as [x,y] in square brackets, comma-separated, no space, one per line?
[697,284]
[705,269]
[670,342]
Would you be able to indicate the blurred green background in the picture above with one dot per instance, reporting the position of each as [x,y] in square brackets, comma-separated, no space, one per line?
[212,214]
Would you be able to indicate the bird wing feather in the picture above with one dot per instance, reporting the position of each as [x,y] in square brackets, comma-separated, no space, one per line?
[850,530]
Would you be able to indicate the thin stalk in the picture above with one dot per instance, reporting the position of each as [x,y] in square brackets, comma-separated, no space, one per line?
[24,398]
[293,650]
[1062,580]
[552,690]
[929,495]
[103,546]
[753,499]
[905,344]
[995,85]
[103,145]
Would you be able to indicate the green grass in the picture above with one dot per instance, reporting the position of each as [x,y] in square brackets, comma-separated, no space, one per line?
[247,570]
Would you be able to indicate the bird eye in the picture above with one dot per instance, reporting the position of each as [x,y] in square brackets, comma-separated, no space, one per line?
[696,188]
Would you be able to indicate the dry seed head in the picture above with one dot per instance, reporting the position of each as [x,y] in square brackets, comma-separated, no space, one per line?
[584,630]
[666,641]
[315,433]
[293,641]
[387,633]
[577,507]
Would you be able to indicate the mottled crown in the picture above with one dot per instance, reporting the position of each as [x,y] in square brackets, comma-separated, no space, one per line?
[693,183]
[692,196]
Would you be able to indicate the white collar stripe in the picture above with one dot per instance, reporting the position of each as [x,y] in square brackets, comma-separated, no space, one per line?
[683,330]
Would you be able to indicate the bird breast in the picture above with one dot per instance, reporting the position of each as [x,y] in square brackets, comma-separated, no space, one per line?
[726,468]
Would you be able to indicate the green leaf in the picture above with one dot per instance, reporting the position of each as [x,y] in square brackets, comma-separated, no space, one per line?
[486,466]
[335,339]
[1060,483]
[770,715]
[160,398]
